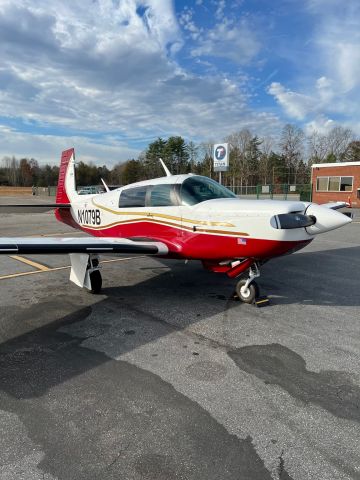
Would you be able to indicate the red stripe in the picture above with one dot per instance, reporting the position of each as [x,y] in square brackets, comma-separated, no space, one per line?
[201,246]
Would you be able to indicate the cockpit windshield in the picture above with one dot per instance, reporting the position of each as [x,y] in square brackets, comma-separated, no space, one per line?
[199,189]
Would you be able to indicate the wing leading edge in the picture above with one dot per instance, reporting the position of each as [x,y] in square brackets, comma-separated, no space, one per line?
[58,245]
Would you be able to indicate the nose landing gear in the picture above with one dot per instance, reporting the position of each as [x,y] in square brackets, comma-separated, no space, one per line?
[247,290]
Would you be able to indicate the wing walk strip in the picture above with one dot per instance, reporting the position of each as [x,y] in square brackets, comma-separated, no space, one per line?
[54,269]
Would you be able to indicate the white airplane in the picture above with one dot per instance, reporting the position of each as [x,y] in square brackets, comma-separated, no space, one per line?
[177,216]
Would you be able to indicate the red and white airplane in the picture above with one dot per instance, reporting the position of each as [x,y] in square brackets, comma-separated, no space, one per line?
[177,216]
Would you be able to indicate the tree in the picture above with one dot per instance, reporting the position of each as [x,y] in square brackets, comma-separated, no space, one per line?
[192,152]
[292,147]
[176,155]
[132,172]
[239,167]
[253,159]
[278,168]
[155,150]
[267,146]
[352,153]
[205,166]
[318,147]
[338,141]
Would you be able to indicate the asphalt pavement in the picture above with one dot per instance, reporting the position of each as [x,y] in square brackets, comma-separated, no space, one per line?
[165,376]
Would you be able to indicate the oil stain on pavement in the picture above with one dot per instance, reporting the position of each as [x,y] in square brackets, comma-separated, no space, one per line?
[278,365]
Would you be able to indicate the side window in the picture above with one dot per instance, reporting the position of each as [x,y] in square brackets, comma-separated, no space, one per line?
[132,197]
[162,196]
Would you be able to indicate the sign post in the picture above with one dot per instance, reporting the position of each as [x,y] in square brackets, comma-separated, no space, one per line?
[221,158]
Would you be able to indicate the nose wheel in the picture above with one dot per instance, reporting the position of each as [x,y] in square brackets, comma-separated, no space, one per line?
[247,290]
[247,293]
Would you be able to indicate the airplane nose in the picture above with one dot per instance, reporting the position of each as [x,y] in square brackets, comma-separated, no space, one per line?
[326,219]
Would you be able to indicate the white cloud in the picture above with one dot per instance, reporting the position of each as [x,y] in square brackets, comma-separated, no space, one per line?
[109,68]
[48,148]
[296,105]
[336,53]
[237,43]
[320,124]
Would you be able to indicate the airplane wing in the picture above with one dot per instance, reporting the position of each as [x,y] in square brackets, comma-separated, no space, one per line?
[58,245]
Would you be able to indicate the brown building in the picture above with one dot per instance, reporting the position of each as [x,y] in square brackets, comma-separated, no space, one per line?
[334,182]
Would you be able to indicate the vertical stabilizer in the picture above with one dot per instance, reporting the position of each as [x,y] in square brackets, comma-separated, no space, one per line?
[66,189]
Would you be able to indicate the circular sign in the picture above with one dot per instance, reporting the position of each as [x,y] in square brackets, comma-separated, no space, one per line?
[220,152]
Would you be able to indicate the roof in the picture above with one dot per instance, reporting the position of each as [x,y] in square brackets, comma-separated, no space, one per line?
[336,164]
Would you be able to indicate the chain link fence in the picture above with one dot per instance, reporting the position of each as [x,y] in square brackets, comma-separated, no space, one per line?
[283,191]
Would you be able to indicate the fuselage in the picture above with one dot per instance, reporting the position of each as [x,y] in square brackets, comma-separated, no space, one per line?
[194,216]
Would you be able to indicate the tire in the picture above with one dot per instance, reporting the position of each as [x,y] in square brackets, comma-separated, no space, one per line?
[96,282]
[248,296]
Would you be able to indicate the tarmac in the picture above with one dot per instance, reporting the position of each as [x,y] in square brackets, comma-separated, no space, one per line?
[165,376]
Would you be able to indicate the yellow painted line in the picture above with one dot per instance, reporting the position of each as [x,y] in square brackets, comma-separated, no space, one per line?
[22,274]
[54,269]
[39,266]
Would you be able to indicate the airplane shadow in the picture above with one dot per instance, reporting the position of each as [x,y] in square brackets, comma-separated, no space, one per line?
[133,315]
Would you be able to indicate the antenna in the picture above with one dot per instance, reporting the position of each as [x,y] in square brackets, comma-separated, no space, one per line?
[168,174]
[106,187]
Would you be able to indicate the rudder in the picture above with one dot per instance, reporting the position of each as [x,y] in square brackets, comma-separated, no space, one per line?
[61,192]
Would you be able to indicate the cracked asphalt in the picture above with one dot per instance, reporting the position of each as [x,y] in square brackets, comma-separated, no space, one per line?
[164,376]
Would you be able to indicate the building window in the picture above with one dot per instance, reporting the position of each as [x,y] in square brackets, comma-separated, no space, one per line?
[322,184]
[132,197]
[334,184]
[346,184]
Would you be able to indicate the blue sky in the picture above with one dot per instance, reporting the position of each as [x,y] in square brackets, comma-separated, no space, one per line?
[109,76]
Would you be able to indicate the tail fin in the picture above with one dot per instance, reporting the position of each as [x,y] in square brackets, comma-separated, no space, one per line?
[66,189]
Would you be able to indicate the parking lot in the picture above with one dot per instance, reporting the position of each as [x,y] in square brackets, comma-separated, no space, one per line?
[165,376]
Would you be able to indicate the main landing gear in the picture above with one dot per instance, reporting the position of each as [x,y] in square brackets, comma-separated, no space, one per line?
[247,290]
[94,274]
[85,271]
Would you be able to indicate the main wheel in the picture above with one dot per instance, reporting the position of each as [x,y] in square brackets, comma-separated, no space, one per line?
[96,281]
[248,294]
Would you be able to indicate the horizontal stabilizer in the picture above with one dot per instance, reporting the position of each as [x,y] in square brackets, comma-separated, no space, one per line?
[34,208]
[58,245]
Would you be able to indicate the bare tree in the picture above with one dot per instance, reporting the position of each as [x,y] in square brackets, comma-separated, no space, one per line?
[352,153]
[338,141]
[318,147]
[206,149]
[11,166]
[193,152]
[267,147]
[240,142]
[292,148]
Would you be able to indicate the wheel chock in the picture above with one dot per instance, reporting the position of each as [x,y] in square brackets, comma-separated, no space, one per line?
[262,301]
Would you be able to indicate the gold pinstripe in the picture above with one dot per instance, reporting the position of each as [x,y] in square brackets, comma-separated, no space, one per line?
[162,215]
[161,222]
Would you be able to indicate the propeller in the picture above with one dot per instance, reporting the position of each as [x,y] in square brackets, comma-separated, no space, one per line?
[292,220]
